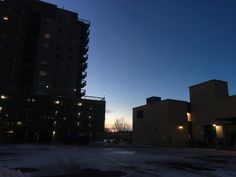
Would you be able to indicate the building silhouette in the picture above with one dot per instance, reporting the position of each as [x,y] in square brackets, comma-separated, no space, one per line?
[43,54]
[209,119]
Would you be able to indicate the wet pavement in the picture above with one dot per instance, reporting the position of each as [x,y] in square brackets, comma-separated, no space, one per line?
[112,161]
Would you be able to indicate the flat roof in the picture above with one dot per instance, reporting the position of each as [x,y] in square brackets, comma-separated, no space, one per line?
[206,82]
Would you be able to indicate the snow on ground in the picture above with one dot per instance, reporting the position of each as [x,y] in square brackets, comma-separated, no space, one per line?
[5,172]
[108,161]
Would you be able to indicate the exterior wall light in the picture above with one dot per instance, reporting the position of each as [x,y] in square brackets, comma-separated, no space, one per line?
[80,104]
[0,109]
[214,125]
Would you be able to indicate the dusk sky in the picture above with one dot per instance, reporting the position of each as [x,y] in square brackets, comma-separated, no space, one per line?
[143,48]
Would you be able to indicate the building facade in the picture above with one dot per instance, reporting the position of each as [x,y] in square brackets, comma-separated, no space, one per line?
[213,113]
[161,122]
[209,119]
[43,54]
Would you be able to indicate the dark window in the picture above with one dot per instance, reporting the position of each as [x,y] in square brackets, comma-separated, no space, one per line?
[139,114]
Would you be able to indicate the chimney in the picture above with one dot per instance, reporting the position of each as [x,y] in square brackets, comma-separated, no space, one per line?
[153,99]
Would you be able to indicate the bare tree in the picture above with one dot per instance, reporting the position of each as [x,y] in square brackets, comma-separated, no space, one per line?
[120,125]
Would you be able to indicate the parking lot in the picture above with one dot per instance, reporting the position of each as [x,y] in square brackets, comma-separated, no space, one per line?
[112,161]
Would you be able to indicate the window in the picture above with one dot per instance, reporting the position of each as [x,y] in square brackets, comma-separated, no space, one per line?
[58,56]
[140,114]
[70,58]
[42,73]
[42,83]
[48,19]
[46,45]
[43,62]
[47,36]
[5,18]
[189,117]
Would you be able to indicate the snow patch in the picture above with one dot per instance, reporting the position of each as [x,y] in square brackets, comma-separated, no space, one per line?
[5,172]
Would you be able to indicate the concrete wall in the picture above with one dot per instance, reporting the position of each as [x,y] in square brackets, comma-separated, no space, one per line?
[209,102]
[159,125]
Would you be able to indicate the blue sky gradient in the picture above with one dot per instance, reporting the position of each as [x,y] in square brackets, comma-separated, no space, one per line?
[144,48]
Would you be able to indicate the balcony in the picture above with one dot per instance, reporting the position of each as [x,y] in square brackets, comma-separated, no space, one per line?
[84,75]
[84,66]
[85,50]
[88,32]
[83,92]
[86,41]
[83,83]
[84,59]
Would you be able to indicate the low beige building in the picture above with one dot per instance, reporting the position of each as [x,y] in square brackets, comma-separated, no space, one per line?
[209,119]
[213,113]
[161,123]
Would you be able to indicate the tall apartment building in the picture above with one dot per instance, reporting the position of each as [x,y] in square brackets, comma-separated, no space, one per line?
[43,54]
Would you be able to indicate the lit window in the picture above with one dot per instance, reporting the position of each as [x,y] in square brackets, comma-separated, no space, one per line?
[180,127]
[55,123]
[219,131]
[0,109]
[19,123]
[57,102]
[47,36]
[42,73]
[189,118]
[78,124]
[5,18]
[53,134]
[3,97]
